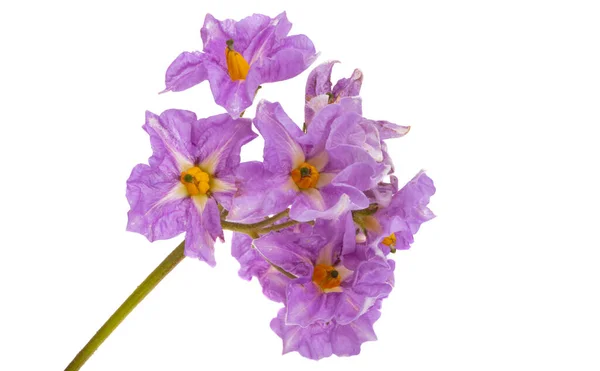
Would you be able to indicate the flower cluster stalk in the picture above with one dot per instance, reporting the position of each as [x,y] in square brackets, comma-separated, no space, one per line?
[164,268]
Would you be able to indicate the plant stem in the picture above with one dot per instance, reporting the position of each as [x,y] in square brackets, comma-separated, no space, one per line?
[271,220]
[132,301]
[237,227]
[277,227]
[254,229]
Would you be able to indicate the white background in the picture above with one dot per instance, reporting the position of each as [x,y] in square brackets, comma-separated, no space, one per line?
[503,99]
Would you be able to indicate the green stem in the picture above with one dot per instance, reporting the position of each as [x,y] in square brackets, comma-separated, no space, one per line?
[237,227]
[132,301]
[255,228]
[271,220]
[278,227]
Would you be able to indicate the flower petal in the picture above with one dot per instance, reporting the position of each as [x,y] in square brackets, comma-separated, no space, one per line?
[322,339]
[319,80]
[214,34]
[313,106]
[234,96]
[351,306]
[348,235]
[388,130]
[358,175]
[159,206]
[319,129]
[187,70]
[349,87]
[274,284]
[307,303]
[346,340]
[327,203]
[249,30]
[312,342]
[282,153]
[408,210]
[252,264]
[223,189]
[351,162]
[374,278]
[292,252]
[262,44]
[170,137]
[347,112]
[220,139]
[382,193]
[204,228]
[294,55]
[356,131]
[260,193]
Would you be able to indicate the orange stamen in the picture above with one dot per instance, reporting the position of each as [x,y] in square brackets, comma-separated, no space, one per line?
[390,241]
[196,181]
[326,277]
[305,176]
[236,64]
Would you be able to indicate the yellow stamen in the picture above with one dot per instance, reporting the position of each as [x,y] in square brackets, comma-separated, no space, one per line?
[390,241]
[305,176]
[196,181]
[326,277]
[236,64]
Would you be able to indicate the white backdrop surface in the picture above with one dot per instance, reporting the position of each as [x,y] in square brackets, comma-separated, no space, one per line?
[503,99]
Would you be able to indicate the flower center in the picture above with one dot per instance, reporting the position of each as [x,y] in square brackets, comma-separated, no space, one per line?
[326,277]
[305,176]
[195,181]
[236,64]
[390,241]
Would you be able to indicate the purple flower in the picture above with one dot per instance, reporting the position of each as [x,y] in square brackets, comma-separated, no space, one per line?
[326,288]
[321,173]
[240,56]
[330,303]
[190,170]
[319,92]
[394,224]
[324,338]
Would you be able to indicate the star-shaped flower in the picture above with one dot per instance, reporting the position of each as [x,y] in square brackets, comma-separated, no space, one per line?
[239,56]
[190,171]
